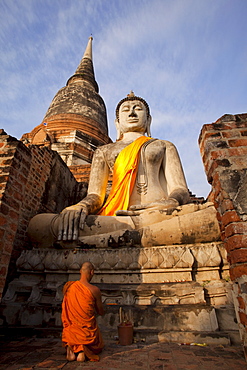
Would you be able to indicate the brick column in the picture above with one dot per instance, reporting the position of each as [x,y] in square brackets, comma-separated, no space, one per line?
[223,147]
[32,180]
[12,189]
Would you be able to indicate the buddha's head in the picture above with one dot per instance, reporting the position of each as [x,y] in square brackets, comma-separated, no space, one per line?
[132,115]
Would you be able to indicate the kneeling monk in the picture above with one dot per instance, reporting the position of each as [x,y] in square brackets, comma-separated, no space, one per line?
[81,334]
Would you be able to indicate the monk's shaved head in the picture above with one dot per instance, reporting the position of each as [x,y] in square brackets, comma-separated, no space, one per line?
[87,267]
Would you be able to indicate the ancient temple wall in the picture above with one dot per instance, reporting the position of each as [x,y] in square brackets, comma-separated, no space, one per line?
[82,172]
[14,164]
[223,147]
[33,180]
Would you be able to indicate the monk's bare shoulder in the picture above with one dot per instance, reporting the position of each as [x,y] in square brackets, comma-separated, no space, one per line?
[95,291]
[97,295]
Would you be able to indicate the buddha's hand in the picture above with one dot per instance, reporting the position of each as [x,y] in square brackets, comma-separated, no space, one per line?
[160,205]
[71,219]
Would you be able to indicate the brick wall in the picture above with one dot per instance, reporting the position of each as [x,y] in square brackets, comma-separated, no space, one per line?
[13,179]
[82,172]
[32,180]
[223,147]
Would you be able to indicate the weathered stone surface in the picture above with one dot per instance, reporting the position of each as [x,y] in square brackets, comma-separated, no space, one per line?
[187,224]
[76,121]
[194,337]
[132,278]
[218,292]
[37,181]
[225,166]
[133,265]
[200,226]
[177,318]
[153,294]
[81,100]
[235,184]
[226,318]
[155,282]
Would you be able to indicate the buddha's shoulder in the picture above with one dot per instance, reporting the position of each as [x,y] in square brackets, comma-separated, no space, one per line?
[118,145]
[107,147]
[112,147]
[164,143]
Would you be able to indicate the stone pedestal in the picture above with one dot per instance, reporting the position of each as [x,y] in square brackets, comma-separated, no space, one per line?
[175,263]
[161,289]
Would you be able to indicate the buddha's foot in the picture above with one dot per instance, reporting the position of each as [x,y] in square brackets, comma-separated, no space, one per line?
[70,354]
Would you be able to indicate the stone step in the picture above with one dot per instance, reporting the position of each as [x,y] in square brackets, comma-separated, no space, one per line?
[170,307]
[199,317]
[213,338]
[149,336]
[151,324]
[227,321]
[174,306]
[153,294]
[190,292]
[226,318]
[215,293]
[146,336]
[195,317]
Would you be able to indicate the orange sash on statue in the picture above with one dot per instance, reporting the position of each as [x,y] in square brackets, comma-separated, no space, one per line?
[80,329]
[124,176]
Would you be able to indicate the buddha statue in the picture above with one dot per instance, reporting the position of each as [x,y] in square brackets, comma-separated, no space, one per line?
[148,204]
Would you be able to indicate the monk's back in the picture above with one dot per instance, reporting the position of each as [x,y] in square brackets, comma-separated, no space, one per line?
[78,301]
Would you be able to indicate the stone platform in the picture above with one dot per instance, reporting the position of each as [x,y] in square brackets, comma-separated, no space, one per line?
[170,293]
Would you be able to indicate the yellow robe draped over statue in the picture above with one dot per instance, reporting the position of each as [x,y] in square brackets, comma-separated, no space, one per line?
[124,176]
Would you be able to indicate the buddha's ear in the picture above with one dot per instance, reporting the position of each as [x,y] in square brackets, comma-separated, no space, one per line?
[148,131]
[119,133]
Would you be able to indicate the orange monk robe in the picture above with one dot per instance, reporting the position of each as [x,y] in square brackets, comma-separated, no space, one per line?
[80,329]
[124,176]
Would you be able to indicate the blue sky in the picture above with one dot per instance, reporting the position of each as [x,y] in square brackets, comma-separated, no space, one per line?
[187,58]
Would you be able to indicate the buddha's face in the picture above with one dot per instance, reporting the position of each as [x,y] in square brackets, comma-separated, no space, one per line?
[132,117]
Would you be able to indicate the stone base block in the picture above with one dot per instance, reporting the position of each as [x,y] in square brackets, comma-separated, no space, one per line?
[194,338]
[206,273]
[163,318]
[145,276]
[152,294]
[156,287]
[218,292]
[32,302]
[132,265]
[226,318]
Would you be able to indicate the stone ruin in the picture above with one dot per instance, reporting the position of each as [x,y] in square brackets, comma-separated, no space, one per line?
[193,292]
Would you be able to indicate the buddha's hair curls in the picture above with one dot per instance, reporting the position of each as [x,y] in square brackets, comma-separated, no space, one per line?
[132,96]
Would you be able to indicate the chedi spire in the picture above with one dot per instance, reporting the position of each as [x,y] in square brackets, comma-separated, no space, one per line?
[85,70]
[76,121]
